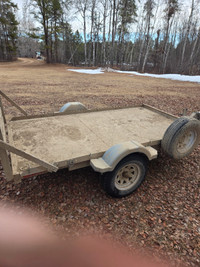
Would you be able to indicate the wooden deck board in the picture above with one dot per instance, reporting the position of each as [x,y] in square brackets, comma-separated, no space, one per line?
[62,138]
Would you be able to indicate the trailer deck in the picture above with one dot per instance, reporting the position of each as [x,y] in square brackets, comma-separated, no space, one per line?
[118,143]
[72,140]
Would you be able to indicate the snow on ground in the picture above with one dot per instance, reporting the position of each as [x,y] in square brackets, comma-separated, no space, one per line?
[88,71]
[177,77]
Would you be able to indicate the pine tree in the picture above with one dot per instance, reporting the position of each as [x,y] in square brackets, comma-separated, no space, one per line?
[8,30]
[48,13]
[127,14]
[55,14]
[42,14]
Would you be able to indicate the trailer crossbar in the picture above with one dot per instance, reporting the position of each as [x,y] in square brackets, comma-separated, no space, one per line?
[13,103]
[50,167]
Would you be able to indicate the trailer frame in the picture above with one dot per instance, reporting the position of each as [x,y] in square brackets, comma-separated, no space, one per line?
[44,166]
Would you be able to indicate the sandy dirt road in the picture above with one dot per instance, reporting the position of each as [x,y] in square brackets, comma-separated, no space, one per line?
[163,215]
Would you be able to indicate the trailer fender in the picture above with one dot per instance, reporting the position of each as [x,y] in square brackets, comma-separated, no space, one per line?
[73,107]
[116,153]
[195,115]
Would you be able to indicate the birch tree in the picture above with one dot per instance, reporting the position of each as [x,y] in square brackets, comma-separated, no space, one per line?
[93,4]
[166,39]
[127,14]
[82,8]
[27,43]
[115,9]
[148,8]
[186,34]
[105,5]
[194,47]
[171,9]
[141,40]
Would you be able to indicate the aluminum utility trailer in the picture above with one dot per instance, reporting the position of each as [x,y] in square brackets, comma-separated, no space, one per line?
[115,142]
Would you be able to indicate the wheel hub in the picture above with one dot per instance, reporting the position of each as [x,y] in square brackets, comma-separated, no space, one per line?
[127,177]
[187,142]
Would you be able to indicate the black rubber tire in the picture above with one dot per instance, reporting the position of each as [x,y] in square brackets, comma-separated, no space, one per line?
[175,133]
[171,131]
[108,180]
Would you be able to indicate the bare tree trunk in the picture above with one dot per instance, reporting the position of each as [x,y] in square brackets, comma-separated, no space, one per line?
[97,41]
[149,35]
[172,43]
[51,42]
[46,42]
[186,35]
[105,6]
[146,56]
[110,22]
[115,54]
[85,34]
[167,47]
[148,44]
[140,53]
[156,50]
[94,51]
[124,18]
[93,18]
[56,41]
[166,42]
[194,47]
[113,33]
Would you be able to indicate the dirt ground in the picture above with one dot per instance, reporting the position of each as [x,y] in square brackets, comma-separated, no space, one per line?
[163,215]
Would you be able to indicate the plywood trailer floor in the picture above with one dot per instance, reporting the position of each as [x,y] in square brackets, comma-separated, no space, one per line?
[80,137]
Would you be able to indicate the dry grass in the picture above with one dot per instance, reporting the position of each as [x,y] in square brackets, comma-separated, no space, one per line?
[38,87]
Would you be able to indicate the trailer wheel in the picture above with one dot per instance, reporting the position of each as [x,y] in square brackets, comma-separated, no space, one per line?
[181,138]
[126,177]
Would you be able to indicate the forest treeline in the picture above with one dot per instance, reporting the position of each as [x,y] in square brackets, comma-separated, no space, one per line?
[8,30]
[161,36]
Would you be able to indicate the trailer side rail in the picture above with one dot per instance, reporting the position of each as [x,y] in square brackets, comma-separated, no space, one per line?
[12,103]
[5,148]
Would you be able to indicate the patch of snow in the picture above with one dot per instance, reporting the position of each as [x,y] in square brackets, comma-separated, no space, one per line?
[177,77]
[88,71]
[107,69]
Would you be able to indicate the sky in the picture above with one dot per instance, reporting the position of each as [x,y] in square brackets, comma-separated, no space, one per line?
[19,2]
[75,23]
